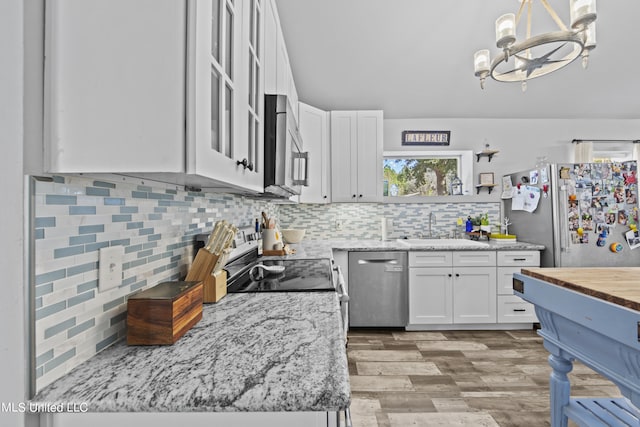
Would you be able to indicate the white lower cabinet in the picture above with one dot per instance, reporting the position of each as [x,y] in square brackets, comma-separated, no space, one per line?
[430,295]
[467,289]
[512,308]
[454,287]
[474,295]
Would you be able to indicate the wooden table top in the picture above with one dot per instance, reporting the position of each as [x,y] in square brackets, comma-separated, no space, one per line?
[617,285]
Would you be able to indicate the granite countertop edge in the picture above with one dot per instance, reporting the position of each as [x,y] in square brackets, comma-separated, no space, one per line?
[323,248]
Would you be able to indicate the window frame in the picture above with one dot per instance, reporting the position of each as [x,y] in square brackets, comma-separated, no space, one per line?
[465,165]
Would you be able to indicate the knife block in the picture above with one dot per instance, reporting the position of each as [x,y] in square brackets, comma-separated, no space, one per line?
[215,285]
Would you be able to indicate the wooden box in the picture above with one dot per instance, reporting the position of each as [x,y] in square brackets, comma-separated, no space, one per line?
[164,313]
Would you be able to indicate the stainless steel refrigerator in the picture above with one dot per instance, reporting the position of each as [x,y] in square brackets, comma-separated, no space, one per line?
[585,215]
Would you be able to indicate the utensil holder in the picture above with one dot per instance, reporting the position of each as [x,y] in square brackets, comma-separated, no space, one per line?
[270,237]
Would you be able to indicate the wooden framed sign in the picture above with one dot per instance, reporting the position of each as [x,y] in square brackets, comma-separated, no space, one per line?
[426,137]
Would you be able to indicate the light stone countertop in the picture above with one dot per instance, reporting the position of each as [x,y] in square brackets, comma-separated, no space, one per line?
[309,249]
[250,352]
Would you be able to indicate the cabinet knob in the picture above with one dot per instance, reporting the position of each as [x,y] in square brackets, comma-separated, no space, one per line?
[324,197]
[353,197]
[360,196]
[457,275]
[246,164]
[450,274]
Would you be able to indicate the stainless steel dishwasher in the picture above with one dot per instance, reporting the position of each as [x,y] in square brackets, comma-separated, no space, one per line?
[378,289]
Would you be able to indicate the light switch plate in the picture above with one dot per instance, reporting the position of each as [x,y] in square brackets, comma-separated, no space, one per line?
[110,268]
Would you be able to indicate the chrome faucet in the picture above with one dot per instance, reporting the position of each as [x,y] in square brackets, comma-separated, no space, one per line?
[432,219]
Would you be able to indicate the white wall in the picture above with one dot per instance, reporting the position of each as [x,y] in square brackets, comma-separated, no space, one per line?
[520,141]
[13,366]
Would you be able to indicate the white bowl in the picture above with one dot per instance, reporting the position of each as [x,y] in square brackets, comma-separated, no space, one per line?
[292,235]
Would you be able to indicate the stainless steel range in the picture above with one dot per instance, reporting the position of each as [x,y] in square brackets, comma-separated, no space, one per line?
[300,275]
[247,272]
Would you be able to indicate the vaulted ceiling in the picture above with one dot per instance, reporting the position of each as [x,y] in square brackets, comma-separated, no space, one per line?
[414,59]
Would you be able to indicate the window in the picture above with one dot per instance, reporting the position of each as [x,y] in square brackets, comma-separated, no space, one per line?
[608,152]
[426,174]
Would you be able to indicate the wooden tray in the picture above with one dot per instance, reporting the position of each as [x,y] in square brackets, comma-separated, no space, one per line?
[280,252]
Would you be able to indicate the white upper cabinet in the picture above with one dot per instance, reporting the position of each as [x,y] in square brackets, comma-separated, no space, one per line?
[163,89]
[356,156]
[314,129]
[278,75]
[114,86]
[224,92]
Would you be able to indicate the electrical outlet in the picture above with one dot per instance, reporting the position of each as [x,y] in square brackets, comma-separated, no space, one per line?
[338,224]
[110,268]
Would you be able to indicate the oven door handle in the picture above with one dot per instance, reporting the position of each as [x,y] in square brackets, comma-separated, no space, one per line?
[342,291]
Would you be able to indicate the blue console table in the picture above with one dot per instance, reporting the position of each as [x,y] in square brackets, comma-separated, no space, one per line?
[592,315]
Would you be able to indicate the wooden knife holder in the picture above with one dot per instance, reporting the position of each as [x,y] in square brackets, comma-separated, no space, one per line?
[215,285]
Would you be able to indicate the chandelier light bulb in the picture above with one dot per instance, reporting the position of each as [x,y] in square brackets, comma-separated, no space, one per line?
[506,30]
[589,36]
[583,13]
[482,61]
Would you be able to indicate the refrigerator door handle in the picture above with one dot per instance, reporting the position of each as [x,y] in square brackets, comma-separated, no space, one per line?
[564,219]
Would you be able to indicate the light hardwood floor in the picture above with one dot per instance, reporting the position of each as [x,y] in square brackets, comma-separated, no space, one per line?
[456,378]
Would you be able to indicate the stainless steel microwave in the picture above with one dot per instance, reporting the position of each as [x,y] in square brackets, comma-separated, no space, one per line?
[286,167]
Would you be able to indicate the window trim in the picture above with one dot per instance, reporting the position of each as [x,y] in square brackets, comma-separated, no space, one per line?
[466,174]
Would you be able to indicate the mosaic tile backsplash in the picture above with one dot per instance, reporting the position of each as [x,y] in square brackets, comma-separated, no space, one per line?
[363,220]
[156,224]
[75,217]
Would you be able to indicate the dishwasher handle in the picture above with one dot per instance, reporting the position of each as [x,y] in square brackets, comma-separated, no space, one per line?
[378,261]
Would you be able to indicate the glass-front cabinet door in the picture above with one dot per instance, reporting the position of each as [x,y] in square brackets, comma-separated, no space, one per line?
[224,92]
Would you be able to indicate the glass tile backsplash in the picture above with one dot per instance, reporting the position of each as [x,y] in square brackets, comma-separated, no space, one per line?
[156,224]
[74,218]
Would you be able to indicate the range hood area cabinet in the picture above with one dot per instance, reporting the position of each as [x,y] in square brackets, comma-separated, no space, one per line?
[315,129]
[278,77]
[144,89]
[356,156]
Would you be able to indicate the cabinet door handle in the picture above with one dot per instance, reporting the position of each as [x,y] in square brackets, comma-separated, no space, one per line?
[519,259]
[457,275]
[520,309]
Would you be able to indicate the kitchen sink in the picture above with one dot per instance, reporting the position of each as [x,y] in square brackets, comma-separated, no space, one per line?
[444,243]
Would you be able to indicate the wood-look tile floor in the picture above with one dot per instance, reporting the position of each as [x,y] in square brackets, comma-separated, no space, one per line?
[456,378]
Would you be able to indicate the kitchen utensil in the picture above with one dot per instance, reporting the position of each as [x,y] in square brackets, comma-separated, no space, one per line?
[215,236]
[265,220]
[222,260]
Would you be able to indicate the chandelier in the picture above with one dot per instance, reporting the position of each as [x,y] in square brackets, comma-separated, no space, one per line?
[538,55]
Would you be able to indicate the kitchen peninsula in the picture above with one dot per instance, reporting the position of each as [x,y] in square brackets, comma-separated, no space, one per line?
[592,315]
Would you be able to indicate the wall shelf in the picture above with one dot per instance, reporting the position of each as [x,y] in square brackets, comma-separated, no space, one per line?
[489,187]
[486,153]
